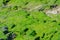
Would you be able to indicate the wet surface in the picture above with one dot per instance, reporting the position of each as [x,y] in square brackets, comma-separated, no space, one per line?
[11,36]
[5,30]
[1,39]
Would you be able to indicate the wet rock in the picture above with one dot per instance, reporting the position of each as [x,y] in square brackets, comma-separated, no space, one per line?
[11,36]
[5,30]
[1,39]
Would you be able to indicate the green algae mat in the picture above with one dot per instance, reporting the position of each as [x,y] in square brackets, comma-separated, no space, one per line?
[29,20]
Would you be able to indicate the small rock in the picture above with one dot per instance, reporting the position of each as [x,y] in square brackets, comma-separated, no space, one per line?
[5,30]
[1,39]
[11,36]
